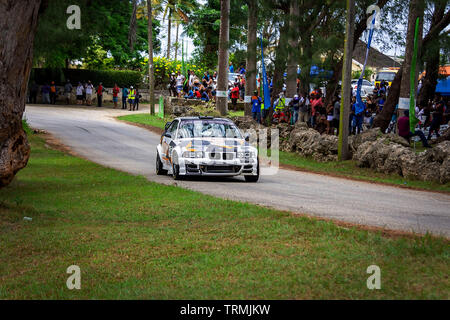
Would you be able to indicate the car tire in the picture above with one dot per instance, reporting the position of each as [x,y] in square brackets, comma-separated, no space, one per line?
[253,179]
[176,171]
[159,166]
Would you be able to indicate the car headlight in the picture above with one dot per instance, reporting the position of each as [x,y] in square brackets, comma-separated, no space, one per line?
[193,154]
[245,154]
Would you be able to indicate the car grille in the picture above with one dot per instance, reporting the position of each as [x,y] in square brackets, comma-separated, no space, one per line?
[221,169]
[221,156]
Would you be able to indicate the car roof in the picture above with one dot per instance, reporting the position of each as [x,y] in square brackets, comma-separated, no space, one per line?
[202,118]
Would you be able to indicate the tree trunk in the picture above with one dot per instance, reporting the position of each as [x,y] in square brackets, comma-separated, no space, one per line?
[176,41]
[16,56]
[293,51]
[250,83]
[151,75]
[169,31]
[343,152]
[222,81]
[280,60]
[415,11]
[431,58]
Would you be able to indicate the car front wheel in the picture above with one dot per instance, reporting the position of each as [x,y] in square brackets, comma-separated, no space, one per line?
[253,178]
[159,166]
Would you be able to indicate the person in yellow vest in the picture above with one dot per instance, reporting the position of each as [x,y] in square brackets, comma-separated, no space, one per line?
[131,97]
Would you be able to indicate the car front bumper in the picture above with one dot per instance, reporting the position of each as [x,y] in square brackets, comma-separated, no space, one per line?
[205,167]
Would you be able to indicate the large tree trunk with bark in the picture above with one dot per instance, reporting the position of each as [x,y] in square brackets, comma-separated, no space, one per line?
[415,11]
[18,27]
[280,60]
[293,51]
[252,23]
[431,58]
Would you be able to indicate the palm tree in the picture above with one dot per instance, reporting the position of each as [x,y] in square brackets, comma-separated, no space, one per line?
[175,10]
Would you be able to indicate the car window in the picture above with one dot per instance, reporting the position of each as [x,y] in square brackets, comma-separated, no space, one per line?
[367,83]
[173,127]
[208,128]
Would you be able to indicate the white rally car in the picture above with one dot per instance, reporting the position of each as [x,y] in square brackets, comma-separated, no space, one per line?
[206,146]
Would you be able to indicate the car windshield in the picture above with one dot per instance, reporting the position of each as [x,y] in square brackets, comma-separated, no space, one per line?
[208,129]
[387,76]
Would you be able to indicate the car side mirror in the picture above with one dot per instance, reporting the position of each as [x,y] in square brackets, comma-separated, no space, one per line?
[167,134]
[167,126]
[247,137]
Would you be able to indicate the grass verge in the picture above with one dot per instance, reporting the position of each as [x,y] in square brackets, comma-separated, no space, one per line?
[346,169]
[135,239]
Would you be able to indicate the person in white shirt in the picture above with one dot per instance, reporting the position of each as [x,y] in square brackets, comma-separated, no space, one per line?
[80,90]
[180,81]
[89,90]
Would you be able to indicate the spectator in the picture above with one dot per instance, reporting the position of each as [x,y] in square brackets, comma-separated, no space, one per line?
[190,95]
[173,85]
[34,92]
[131,98]
[53,93]
[88,93]
[85,92]
[180,81]
[99,95]
[330,118]
[438,115]
[204,96]
[197,94]
[242,70]
[80,90]
[256,107]
[68,91]
[235,96]
[294,105]
[304,110]
[116,91]
[124,97]
[45,94]
[336,113]
[137,99]
[358,115]
[404,130]
[231,67]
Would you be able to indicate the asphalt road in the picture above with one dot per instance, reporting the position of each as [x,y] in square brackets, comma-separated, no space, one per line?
[96,135]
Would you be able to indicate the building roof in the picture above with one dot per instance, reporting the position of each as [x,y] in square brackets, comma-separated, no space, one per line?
[376,59]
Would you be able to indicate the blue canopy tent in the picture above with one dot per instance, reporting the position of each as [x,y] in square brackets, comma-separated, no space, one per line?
[443,87]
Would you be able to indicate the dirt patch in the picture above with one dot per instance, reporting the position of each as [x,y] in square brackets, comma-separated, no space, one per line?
[153,129]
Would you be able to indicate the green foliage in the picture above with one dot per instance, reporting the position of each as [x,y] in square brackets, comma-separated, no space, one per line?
[107,77]
[204,27]
[367,74]
[164,67]
[103,35]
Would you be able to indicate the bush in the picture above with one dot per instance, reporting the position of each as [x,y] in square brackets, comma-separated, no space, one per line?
[107,77]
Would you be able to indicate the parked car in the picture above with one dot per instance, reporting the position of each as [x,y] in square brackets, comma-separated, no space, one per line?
[366,88]
[206,146]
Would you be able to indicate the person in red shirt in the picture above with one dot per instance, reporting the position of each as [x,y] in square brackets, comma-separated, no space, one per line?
[234,96]
[99,94]
[116,91]
[403,130]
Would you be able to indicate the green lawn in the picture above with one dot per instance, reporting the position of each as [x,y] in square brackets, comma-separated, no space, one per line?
[136,239]
[345,168]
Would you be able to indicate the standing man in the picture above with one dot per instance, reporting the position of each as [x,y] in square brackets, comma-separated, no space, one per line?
[137,97]
[235,96]
[67,91]
[89,90]
[53,93]
[34,92]
[131,98]
[124,98]
[231,67]
[180,81]
[256,107]
[172,85]
[116,91]
[45,94]
[99,95]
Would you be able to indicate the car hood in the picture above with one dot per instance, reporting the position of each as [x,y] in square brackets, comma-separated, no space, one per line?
[203,144]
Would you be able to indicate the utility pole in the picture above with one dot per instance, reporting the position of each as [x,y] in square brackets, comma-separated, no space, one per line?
[222,81]
[250,83]
[151,73]
[343,153]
